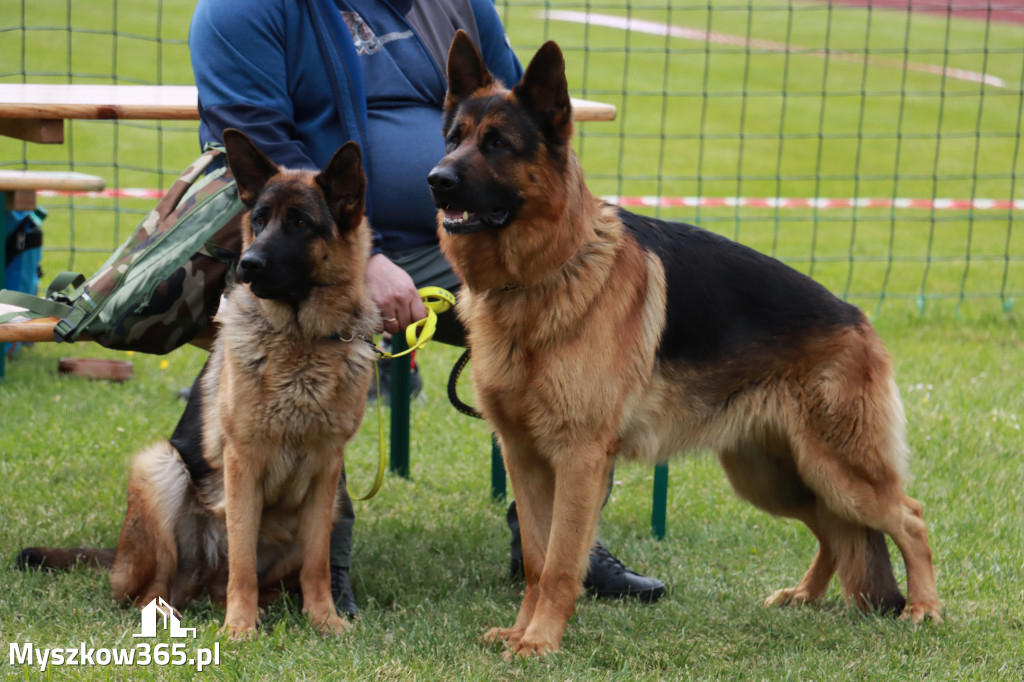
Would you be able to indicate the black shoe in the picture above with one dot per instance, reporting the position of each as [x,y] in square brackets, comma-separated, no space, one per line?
[341,591]
[608,578]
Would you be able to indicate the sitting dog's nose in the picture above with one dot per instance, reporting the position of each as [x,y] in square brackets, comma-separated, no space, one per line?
[250,265]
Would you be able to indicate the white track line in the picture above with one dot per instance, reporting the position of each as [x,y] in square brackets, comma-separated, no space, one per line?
[659,29]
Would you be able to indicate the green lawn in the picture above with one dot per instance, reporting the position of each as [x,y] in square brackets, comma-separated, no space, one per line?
[431,552]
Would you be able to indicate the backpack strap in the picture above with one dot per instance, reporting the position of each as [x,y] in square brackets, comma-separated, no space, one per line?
[56,304]
[34,306]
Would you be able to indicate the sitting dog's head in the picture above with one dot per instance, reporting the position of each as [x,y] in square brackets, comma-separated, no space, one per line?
[294,219]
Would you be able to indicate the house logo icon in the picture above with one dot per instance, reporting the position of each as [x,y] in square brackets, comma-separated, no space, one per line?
[170,619]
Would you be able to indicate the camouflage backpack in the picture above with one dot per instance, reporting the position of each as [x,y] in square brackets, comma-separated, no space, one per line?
[162,286]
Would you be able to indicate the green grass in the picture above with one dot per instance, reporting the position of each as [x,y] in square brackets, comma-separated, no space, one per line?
[431,552]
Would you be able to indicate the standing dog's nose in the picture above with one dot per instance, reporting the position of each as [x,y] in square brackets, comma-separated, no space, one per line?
[442,178]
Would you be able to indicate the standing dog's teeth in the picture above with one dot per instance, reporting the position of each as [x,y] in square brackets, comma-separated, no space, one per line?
[465,215]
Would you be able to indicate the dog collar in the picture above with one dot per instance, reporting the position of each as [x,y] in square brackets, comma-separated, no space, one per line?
[343,339]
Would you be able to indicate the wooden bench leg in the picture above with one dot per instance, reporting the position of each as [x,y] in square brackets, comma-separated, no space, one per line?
[400,390]
[658,501]
[3,279]
[400,415]
[498,482]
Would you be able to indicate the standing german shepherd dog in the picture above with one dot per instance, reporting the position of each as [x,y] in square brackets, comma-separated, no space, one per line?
[597,333]
[282,394]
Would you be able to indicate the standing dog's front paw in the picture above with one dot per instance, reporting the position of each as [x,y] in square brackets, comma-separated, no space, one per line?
[793,596]
[528,647]
[917,613]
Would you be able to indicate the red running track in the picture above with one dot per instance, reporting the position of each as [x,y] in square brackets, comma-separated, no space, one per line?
[1009,11]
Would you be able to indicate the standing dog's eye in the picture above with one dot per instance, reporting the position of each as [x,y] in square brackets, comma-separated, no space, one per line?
[257,222]
[494,139]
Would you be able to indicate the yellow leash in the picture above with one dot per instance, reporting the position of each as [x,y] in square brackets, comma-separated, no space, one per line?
[436,300]
[417,335]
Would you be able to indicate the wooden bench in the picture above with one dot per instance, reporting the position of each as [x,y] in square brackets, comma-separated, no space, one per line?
[19,187]
[36,113]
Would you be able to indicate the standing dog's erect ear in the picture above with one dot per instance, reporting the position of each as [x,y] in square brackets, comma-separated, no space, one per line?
[344,185]
[250,166]
[545,91]
[467,71]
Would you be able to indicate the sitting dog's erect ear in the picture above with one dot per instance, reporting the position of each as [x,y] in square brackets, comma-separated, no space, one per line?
[344,185]
[250,166]
[467,72]
[545,91]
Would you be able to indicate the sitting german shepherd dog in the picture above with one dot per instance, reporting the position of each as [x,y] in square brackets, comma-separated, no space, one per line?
[282,394]
[597,333]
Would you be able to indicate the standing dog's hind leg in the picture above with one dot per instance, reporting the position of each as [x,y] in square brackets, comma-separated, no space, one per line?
[911,537]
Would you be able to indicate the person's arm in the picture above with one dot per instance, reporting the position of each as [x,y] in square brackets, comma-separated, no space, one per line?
[238,58]
[494,46]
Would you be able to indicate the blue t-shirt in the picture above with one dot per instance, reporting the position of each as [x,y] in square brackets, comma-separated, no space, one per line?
[259,68]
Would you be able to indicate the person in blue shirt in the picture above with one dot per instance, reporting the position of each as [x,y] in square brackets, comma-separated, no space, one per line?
[301,77]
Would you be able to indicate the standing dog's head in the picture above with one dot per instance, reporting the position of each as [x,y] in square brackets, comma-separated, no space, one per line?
[301,228]
[506,151]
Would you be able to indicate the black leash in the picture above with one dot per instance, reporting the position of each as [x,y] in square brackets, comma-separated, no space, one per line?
[453,395]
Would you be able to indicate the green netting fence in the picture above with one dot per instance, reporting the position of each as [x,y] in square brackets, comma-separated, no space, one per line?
[874,145]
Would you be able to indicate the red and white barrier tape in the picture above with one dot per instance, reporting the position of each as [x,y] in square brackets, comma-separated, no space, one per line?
[821,203]
[937,204]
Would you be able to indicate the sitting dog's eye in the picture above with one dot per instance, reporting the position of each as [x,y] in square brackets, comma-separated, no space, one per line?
[258,222]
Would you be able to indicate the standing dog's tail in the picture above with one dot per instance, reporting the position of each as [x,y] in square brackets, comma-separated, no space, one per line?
[866,573]
[63,558]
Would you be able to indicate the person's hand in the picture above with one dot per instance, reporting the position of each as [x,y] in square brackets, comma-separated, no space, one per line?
[395,294]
